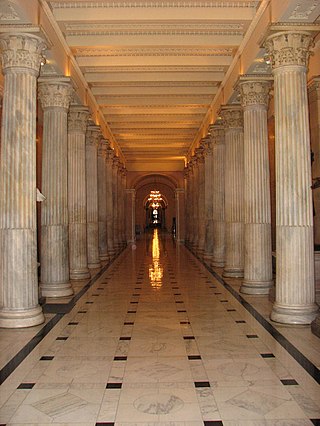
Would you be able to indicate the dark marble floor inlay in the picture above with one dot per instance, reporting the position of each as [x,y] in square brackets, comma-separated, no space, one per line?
[316,422]
[131,312]
[240,322]
[194,357]
[181,311]
[202,384]
[73,323]
[62,338]
[114,386]
[128,323]
[82,312]
[289,382]
[224,301]
[125,338]
[184,322]
[46,358]
[89,303]
[252,336]
[120,358]
[231,310]
[213,423]
[267,355]
[105,424]
[26,386]
[188,337]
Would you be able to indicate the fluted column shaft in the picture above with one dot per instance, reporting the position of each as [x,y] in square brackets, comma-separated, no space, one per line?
[234,256]
[55,96]
[131,215]
[92,141]
[257,205]
[208,206]
[295,293]
[218,195]
[195,202]
[77,199]
[115,202]
[201,200]
[187,202]
[180,214]
[21,56]
[102,203]
[109,199]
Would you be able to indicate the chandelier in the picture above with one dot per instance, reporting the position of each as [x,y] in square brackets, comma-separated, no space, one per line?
[154,199]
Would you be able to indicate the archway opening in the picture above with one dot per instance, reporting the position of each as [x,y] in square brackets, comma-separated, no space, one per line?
[155,206]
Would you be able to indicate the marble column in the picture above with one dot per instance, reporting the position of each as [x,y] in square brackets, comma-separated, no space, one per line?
[186,176]
[123,174]
[218,195]
[77,199]
[92,141]
[109,200]
[102,203]
[208,199]
[180,214]
[130,215]
[295,293]
[234,226]
[115,167]
[21,57]
[254,94]
[199,249]
[191,208]
[55,95]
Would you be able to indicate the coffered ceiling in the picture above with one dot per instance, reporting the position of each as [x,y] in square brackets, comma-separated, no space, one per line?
[154,68]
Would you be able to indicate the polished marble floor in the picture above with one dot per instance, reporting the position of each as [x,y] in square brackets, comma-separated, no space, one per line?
[157,338]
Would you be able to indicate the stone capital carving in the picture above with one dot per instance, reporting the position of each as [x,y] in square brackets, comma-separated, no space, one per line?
[254,93]
[232,117]
[93,135]
[207,145]
[77,118]
[110,155]
[314,89]
[217,134]
[199,152]
[55,92]
[115,163]
[102,148]
[22,51]
[289,48]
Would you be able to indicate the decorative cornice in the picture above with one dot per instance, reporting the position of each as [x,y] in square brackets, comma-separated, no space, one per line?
[58,4]
[24,51]
[152,51]
[152,68]
[77,118]
[156,84]
[55,92]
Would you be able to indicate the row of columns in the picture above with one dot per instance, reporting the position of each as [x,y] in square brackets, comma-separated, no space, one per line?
[83,184]
[235,199]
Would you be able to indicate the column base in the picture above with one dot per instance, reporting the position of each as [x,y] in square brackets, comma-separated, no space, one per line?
[215,263]
[94,265]
[233,273]
[255,287]
[56,289]
[315,326]
[285,314]
[79,275]
[21,318]
[104,257]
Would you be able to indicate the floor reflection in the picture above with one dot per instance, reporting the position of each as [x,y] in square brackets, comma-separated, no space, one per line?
[155,268]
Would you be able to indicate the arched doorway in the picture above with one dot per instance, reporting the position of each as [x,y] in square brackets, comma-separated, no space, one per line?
[155,207]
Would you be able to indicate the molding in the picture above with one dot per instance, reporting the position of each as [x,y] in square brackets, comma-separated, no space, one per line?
[155,84]
[8,12]
[154,68]
[152,51]
[58,4]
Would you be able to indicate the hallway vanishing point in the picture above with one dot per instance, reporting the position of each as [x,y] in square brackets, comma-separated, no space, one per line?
[156,338]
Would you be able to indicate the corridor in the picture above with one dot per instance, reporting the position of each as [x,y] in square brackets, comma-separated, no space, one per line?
[156,338]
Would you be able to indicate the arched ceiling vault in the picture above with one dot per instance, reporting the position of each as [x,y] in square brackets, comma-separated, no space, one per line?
[155,72]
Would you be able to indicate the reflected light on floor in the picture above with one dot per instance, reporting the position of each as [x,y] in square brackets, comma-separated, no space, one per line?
[155,269]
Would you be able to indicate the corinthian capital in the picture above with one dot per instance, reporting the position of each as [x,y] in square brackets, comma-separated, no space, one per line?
[55,92]
[77,118]
[232,116]
[22,50]
[217,134]
[254,92]
[290,45]
[93,135]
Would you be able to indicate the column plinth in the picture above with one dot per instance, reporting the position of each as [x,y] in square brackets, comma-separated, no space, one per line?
[295,294]
[55,96]
[21,57]
[92,140]
[234,226]
[257,205]
[77,199]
